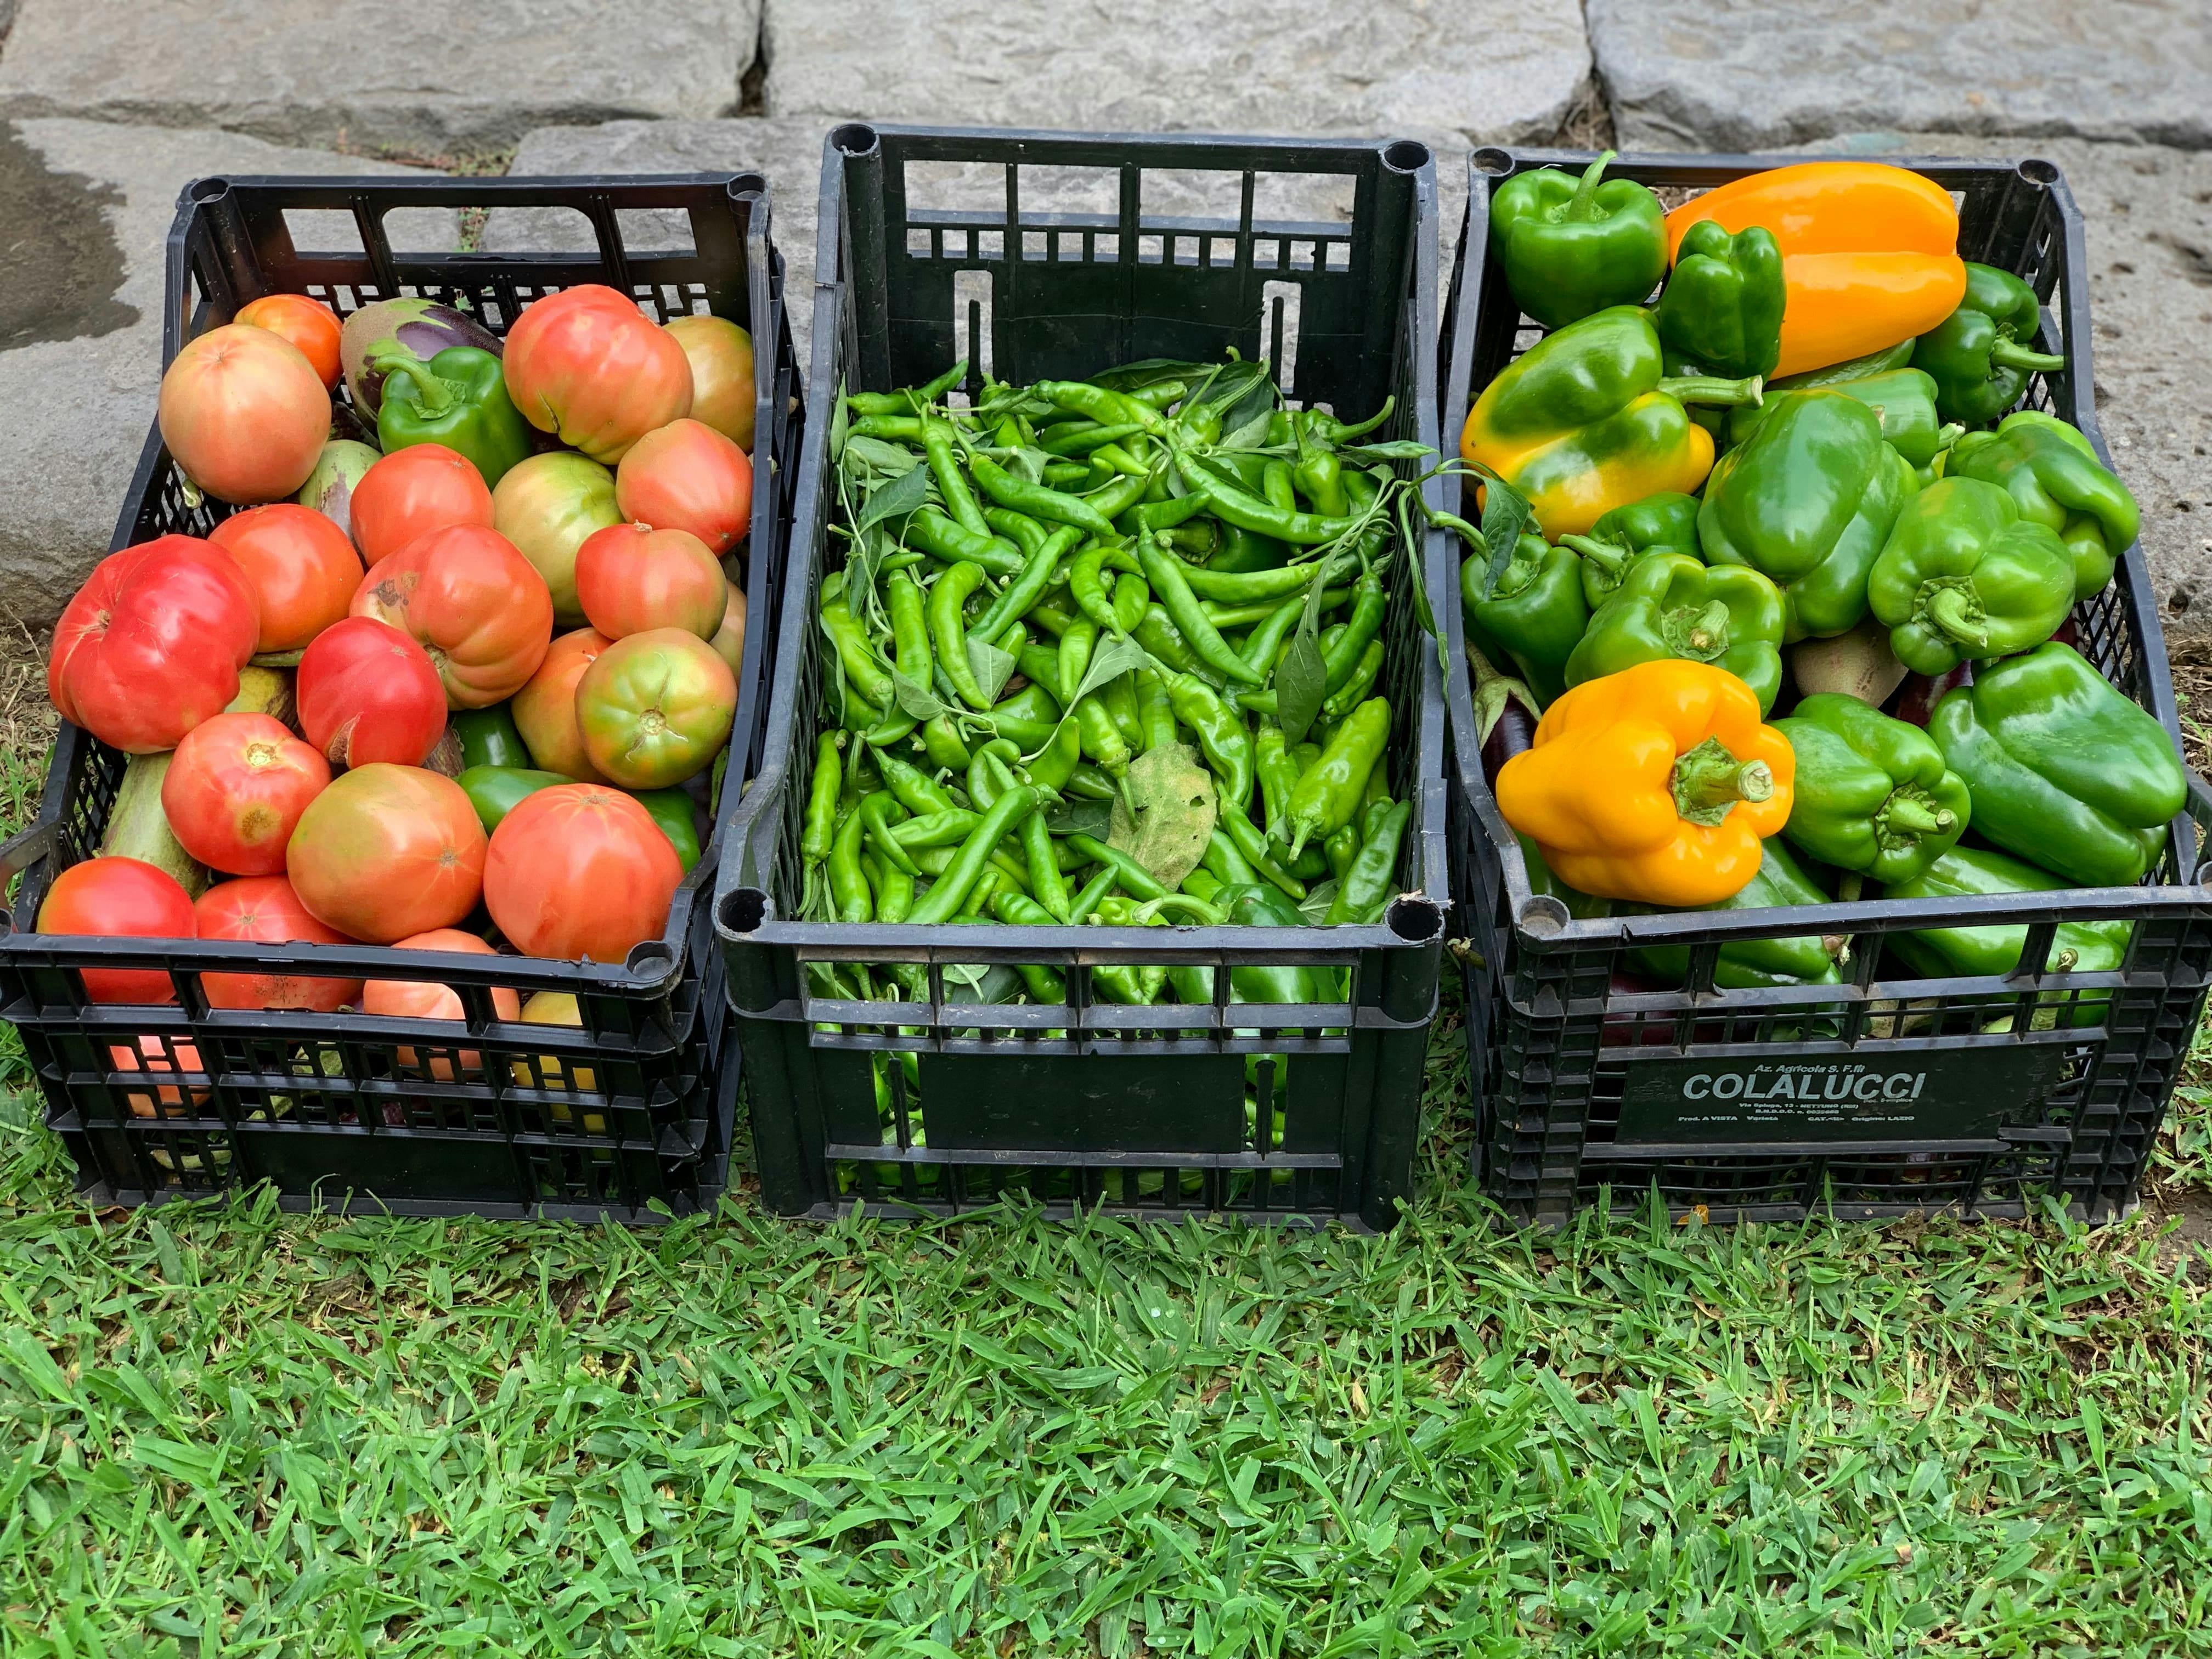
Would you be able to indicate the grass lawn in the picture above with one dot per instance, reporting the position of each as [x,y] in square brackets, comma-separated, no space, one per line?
[227,1432]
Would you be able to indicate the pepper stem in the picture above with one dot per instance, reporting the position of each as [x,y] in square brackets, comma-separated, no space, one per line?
[1709,780]
[1610,560]
[1584,204]
[2010,353]
[1712,389]
[1701,634]
[1955,611]
[434,394]
[1907,816]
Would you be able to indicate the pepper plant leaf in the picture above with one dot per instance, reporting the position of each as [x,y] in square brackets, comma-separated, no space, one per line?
[1165,814]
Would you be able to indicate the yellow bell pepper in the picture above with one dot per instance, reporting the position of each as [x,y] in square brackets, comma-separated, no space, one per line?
[1657,784]
[1869,254]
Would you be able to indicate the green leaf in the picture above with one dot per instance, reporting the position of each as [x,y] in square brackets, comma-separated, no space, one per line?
[918,700]
[993,666]
[1165,812]
[841,423]
[1314,907]
[1253,434]
[873,455]
[1301,684]
[1080,817]
[894,499]
[1029,463]
[1113,659]
[1394,449]
[1506,516]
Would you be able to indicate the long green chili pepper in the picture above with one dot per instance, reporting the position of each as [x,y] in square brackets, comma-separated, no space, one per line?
[944,468]
[945,747]
[875,816]
[1052,766]
[1077,641]
[1027,718]
[1277,773]
[1046,882]
[904,402]
[821,822]
[1265,642]
[936,860]
[1107,407]
[1335,433]
[1100,737]
[1112,458]
[1124,493]
[856,652]
[1133,877]
[1328,793]
[991,772]
[1260,516]
[894,891]
[1353,692]
[1166,515]
[848,885]
[1132,595]
[1276,487]
[914,789]
[1253,586]
[948,631]
[896,429]
[1369,602]
[1094,892]
[1222,734]
[1252,842]
[1018,595]
[1164,573]
[949,891]
[1086,585]
[1341,848]
[1092,781]
[935,534]
[1041,666]
[1038,501]
[1160,394]
[943,829]
[1044,981]
[1155,721]
[1319,473]
[1364,891]
[1082,437]
[1230,866]
[1019,528]
[1120,697]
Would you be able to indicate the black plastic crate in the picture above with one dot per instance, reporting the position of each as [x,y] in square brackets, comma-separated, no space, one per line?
[400,1114]
[1979,1093]
[1136,1110]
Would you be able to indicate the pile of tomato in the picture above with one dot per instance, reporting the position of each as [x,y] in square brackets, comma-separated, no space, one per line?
[303,676]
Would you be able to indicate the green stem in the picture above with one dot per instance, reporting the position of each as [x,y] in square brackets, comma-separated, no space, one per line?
[1610,560]
[1711,389]
[1910,817]
[2010,353]
[1584,204]
[433,395]
[1708,781]
[1701,635]
[1954,611]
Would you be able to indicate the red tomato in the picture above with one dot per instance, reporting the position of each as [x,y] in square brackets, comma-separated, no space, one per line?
[686,476]
[655,709]
[413,491]
[586,363]
[629,578]
[729,640]
[545,709]
[119,899]
[301,565]
[387,851]
[546,506]
[152,643]
[265,909]
[479,607]
[721,357]
[309,324]
[234,788]
[367,692]
[579,870]
[415,999]
[244,413]
[153,1056]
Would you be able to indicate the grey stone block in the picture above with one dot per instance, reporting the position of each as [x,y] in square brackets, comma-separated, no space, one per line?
[788,149]
[425,80]
[1500,71]
[80,295]
[1748,75]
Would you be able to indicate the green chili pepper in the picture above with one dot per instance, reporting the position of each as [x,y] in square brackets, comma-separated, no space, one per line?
[1038,501]
[1082,437]
[894,891]
[1168,514]
[1164,573]
[1277,772]
[1099,736]
[1265,642]
[989,772]
[932,531]
[1019,528]
[821,821]
[489,736]
[1364,891]
[856,652]
[948,631]
[1368,604]
[1094,892]
[1027,588]
[848,887]
[912,398]
[1319,473]
[937,449]
[1155,721]
[1043,982]
[895,429]
[1327,794]
[1157,632]
[1252,842]
[1252,906]
[1229,865]
[1140,882]
[939,829]
[1340,849]
[1353,692]
[949,891]
[1261,517]
[1222,734]
[941,738]
[876,821]
[1132,597]
[1253,586]
[1028,717]
[1100,404]
[1077,641]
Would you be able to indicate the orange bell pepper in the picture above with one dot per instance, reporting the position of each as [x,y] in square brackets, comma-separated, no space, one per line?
[1657,784]
[1869,254]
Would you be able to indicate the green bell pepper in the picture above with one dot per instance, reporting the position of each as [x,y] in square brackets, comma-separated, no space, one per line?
[459,398]
[1665,523]
[489,736]
[1982,354]
[1872,794]
[2076,947]
[2053,475]
[1722,305]
[1903,401]
[1855,368]
[1569,247]
[1671,605]
[1808,500]
[1965,577]
[496,791]
[1534,616]
[2065,771]
[671,810]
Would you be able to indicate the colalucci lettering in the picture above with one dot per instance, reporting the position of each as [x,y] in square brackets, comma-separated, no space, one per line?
[1805,1083]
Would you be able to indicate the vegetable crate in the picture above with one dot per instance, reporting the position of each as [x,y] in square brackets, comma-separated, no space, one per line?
[1881,1096]
[619,1118]
[1141,1110]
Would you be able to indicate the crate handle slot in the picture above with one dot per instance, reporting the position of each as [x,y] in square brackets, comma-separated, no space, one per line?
[1279,304]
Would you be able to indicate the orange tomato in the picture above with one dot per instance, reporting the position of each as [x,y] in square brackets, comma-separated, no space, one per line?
[545,709]
[587,363]
[388,851]
[630,578]
[473,602]
[244,413]
[686,476]
[413,491]
[234,789]
[415,999]
[302,567]
[265,909]
[309,324]
[721,357]
[121,898]
[579,870]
